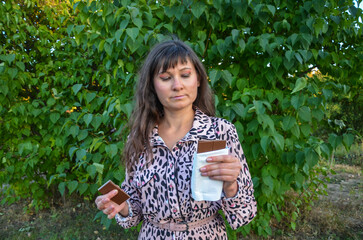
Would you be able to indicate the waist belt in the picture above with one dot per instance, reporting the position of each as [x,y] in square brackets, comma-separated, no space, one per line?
[182,226]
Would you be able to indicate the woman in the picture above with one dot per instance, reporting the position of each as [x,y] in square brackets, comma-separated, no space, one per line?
[174,109]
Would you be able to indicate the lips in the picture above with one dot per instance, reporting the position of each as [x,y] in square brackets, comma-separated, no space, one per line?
[178,97]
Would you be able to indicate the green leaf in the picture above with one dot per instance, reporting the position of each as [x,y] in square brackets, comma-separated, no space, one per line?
[108,49]
[235,34]
[334,140]
[278,141]
[72,151]
[214,75]
[62,187]
[348,140]
[133,46]
[297,101]
[328,94]
[268,181]
[306,129]
[99,167]
[81,154]
[266,121]
[318,114]
[242,44]
[12,72]
[263,42]
[289,55]
[79,28]
[82,188]
[298,57]
[260,109]
[326,150]
[54,117]
[72,185]
[82,135]
[138,22]
[90,97]
[111,150]
[87,118]
[305,114]
[132,33]
[239,109]
[299,85]
[21,66]
[295,130]
[96,122]
[265,141]
[8,58]
[288,122]
[312,158]
[227,76]
[101,45]
[299,180]
[293,39]
[92,170]
[198,8]
[74,130]
[76,88]
[272,9]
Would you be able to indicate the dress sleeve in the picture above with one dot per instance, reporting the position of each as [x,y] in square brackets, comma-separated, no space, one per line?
[135,209]
[242,208]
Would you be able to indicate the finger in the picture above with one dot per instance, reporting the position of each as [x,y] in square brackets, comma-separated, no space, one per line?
[224,178]
[235,166]
[221,172]
[98,199]
[101,201]
[108,210]
[222,158]
[112,193]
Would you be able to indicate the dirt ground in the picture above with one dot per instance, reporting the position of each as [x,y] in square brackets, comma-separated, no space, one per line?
[339,215]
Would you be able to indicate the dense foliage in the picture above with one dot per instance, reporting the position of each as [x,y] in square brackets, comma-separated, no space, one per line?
[67,73]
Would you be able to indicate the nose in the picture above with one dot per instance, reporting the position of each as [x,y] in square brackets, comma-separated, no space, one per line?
[177,84]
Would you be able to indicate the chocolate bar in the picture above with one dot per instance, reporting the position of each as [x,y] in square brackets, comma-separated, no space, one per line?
[210,145]
[109,186]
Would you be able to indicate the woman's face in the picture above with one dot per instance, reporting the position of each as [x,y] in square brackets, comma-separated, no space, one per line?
[177,87]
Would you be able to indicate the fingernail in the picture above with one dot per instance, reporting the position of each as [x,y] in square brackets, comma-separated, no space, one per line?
[204,174]
[114,191]
[202,169]
[209,159]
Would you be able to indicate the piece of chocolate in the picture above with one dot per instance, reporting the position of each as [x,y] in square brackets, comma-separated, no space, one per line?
[210,145]
[109,186]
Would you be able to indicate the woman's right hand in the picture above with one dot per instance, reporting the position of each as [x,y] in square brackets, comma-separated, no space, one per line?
[109,207]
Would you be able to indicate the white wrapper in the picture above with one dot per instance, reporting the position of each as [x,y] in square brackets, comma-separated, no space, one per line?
[204,188]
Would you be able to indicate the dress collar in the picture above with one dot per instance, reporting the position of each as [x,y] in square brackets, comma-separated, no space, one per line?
[200,130]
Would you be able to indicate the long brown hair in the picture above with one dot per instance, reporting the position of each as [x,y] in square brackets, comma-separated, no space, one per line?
[148,110]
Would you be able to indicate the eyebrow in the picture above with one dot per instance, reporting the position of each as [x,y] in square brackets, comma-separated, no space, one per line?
[182,69]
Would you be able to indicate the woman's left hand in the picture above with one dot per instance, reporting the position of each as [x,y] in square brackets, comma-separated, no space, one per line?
[225,168]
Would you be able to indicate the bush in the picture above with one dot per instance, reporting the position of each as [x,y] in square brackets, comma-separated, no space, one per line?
[68,71]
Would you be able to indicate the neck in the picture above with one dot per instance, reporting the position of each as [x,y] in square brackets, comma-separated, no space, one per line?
[178,119]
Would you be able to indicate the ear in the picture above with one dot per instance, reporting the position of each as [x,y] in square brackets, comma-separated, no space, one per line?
[198,82]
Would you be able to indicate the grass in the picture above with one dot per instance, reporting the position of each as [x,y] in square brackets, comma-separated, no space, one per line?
[74,220]
[339,215]
[336,216]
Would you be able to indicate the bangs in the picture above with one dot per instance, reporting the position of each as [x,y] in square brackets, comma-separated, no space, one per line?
[170,57]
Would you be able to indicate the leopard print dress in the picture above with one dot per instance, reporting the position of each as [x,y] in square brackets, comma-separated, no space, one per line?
[161,191]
